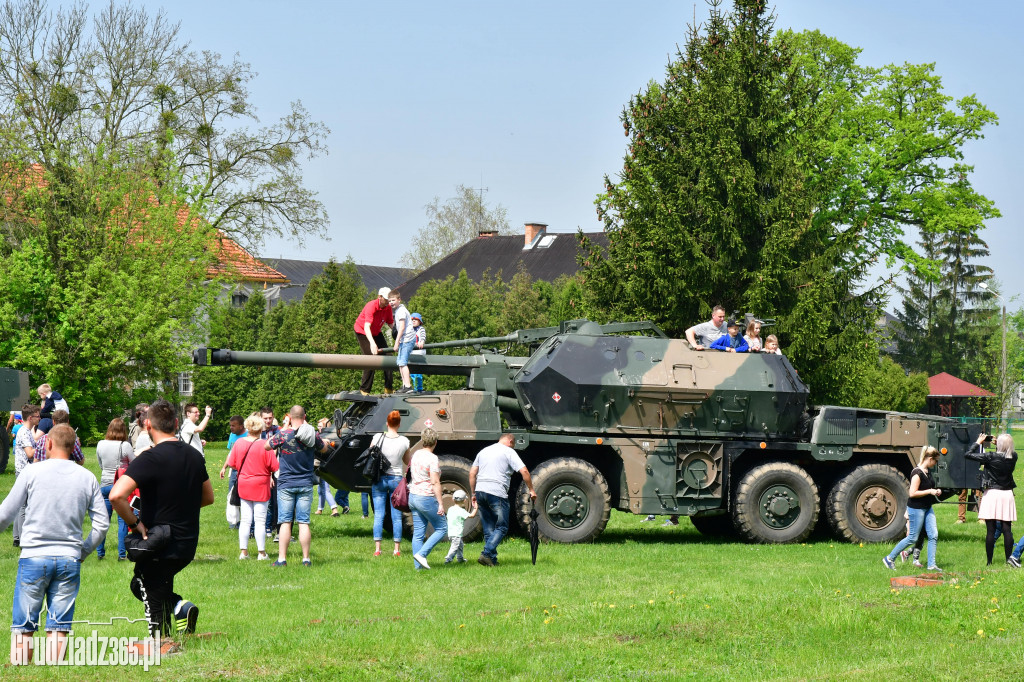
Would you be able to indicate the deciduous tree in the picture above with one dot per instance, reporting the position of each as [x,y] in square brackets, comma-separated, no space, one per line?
[451,224]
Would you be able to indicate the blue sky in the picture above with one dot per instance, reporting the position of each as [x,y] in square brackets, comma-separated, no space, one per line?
[525,97]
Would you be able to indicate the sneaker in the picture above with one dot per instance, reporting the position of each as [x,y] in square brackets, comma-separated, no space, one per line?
[334,512]
[307,563]
[376,552]
[936,569]
[344,510]
[243,555]
[421,560]
[185,616]
[448,559]
[365,516]
[485,560]
[650,517]
[889,563]
[279,563]
[904,555]
[1013,561]
[461,560]
[277,539]
[17,543]
[918,564]
[263,557]
[961,521]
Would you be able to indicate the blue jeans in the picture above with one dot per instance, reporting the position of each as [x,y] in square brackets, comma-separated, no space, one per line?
[424,511]
[494,519]
[294,504]
[341,497]
[54,577]
[382,490]
[101,549]
[322,490]
[1018,548]
[919,518]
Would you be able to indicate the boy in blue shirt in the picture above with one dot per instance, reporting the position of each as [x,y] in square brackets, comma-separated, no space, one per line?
[731,342]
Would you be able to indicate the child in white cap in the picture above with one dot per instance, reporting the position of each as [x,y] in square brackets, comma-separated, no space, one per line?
[457,516]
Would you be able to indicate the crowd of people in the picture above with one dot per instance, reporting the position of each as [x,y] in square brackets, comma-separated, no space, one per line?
[153,476]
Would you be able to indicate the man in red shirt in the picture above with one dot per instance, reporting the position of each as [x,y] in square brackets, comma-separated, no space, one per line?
[368,332]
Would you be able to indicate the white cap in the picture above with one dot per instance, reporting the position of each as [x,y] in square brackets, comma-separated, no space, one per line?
[459,495]
[384,291]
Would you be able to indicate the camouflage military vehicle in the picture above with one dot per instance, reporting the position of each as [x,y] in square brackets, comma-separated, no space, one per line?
[645,424]
[13,395]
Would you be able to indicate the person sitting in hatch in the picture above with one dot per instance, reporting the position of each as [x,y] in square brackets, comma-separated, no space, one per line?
[731,342]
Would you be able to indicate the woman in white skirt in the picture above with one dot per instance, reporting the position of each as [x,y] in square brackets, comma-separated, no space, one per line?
[997,504]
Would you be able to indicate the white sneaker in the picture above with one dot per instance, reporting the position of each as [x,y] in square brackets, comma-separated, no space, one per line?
[650,517]
[421,560]
[243,555]
[263,557]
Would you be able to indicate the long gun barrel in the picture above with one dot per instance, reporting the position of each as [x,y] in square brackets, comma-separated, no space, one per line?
[422,364]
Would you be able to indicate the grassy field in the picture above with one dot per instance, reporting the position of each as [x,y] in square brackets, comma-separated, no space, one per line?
[645,602]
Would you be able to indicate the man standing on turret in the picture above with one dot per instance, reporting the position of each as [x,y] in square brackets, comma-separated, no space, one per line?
[371,341]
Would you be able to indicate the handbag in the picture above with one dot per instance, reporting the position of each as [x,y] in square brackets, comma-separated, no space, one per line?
[234,499]
[400,497]
[372,462]
[145,550]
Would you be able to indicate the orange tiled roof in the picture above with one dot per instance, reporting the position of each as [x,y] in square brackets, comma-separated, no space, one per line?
[232,260]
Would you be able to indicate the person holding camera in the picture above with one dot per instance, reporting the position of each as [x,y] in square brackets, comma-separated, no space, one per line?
[923,494]
[997,504]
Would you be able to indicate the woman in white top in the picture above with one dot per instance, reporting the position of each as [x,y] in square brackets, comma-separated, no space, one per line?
[394,448]
[425,500]
[113,452]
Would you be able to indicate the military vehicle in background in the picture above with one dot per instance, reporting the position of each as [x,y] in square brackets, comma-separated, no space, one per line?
[621,417]
[13,396]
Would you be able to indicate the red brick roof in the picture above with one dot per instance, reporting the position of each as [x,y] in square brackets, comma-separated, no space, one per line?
[233,261]
[946,384]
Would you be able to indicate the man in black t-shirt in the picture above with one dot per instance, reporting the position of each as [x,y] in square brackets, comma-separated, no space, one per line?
[173,486]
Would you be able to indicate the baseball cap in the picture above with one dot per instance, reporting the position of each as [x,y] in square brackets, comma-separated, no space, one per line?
[459,495]
[384,291]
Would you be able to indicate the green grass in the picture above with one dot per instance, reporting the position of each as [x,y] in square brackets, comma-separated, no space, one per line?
[644,602]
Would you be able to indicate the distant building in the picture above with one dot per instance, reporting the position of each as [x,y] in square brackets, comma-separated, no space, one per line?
[301,272]
[949,396]
[544,255]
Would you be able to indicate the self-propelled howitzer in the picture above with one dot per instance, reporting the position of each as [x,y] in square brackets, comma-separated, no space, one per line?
[646,424]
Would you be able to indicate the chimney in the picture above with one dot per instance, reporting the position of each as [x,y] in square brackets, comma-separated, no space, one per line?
[486,234]
[534,230]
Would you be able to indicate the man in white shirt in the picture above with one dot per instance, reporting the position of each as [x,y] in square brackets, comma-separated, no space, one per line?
[704,334]
[488,480]
[192,427]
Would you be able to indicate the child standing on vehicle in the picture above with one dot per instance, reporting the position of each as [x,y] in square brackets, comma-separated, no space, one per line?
[421,340]
[457,516]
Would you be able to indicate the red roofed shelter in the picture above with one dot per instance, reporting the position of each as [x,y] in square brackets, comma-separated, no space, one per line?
[949,396]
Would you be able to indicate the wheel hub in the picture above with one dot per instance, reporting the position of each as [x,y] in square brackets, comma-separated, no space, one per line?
[567,506]
[876,507]
[779,506]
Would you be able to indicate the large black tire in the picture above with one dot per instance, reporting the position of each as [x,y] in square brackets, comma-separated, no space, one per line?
[572,498]
[455,476]
[868,504]
[776,503]
[720,525]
